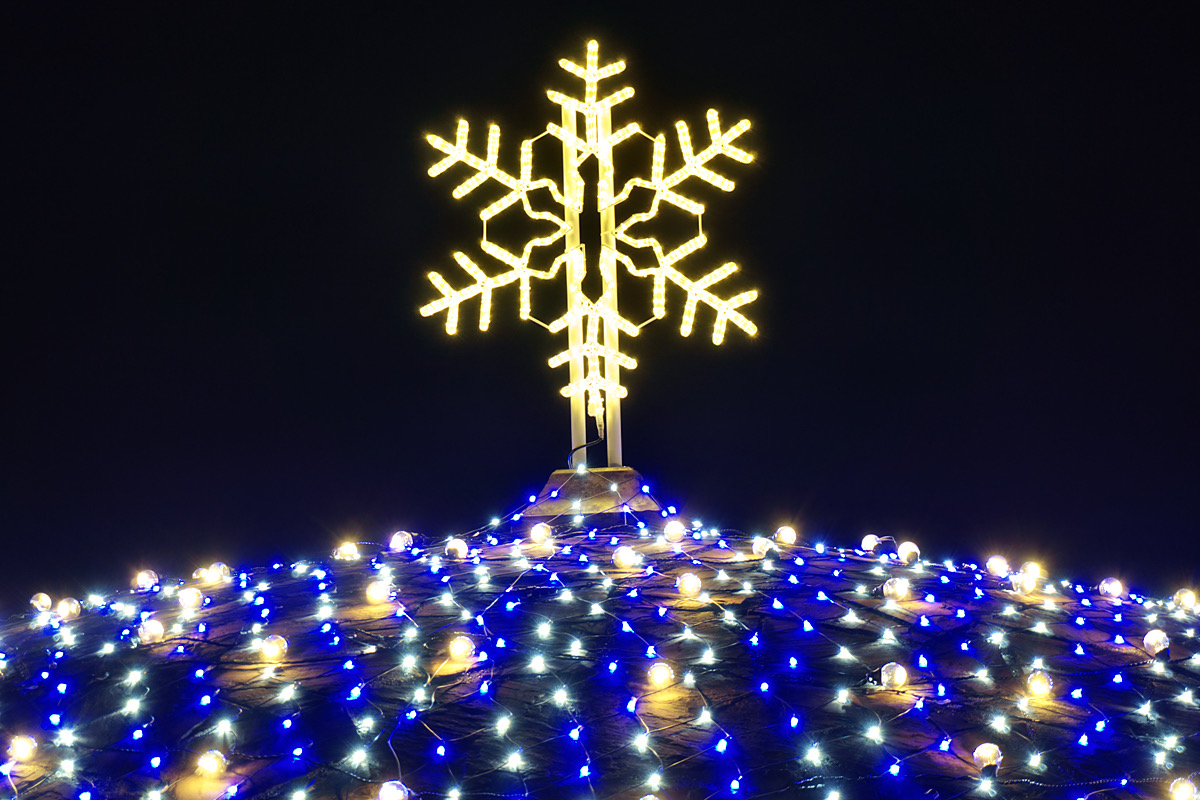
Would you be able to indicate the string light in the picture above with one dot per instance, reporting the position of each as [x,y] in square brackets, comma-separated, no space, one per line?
[660,674]
[400,541]
[1039,684]
[461,648]
[540,533]
[893,675]
[274,648]
[145,580]
[211,764]
[625,557]
[785,534]
[456,548]
[908,553]
[22,748]
[1156,642]
[1112,588]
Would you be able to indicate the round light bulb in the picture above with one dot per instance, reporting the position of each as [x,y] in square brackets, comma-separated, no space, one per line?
[68,608]
[395,790]
[1024,582]
[1039,684]
[274,648]
[674,531]
[462,648]
[1156,642]
[218,572]
[786,534]
[22,748]
[401,540]
[211,764]
[1182,789]
[1111,587]
[145,580]
[895,588]
[660,674]
[41,601]
[1185,599]
[689,584]
[540,533]
[908,552]
[346,551]
[625,557]
[457,548]
[378,592]
[151,631]
[998,565]
[870,542]
[761,546]
[191,598]
[893,675]
[987,755]
[1032,568]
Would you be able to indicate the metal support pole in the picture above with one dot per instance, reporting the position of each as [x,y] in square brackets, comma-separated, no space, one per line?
[575,269]
[608,271]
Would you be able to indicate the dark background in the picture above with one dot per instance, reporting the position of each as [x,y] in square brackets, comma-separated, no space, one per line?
[974,230]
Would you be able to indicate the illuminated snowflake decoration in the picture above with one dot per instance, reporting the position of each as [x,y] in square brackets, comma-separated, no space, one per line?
[594,323]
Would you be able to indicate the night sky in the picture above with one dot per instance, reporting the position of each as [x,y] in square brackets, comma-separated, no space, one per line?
[974,230]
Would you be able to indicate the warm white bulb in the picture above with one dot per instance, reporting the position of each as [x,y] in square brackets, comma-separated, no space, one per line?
[660,674]
[378,592]
[41,601]
[761,546]
[145,580]
[1185,599]
[785,534]
[22,748]
[1155,642]
[987,755]
[1111,587]
[1024,582]
[674,531]
[457,548]
[191,598]
[1182,789]
[689,584]
[1039,684]
[68,608]
[895,588]
[211,764]
[908,552]
[625,557]
[401,540]
[893,675]
[346,551]
[274,648]
[998,565]
[151,631]
[461,648]
[540,533]
[870,542]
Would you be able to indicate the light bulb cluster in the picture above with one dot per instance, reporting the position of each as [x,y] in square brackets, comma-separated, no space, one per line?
[545,656]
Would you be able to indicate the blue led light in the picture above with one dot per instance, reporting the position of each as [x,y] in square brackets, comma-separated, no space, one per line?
[794,721]
[722,745]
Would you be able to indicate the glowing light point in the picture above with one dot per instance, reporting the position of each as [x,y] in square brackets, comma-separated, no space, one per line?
[987,758]
[997,565]
[674,531]
[689,584]
[400,541]
[211,764]
[395,790]
[41,602]
[274,648]
[378,592]
[145,580]
[22,748]
[660,674]
[461,648]
[540,533]
[895,589]
[151,631]
[908,553]
[625,557]
[68,608]
[1112,588]
[1039,684]
[893,675]
[1156,642]
[457,548]
[786,534]
[191,598]
[870,542]
[1182,789]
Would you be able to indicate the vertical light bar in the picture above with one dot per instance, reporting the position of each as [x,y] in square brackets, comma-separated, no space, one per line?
[608,271]
[575,267]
